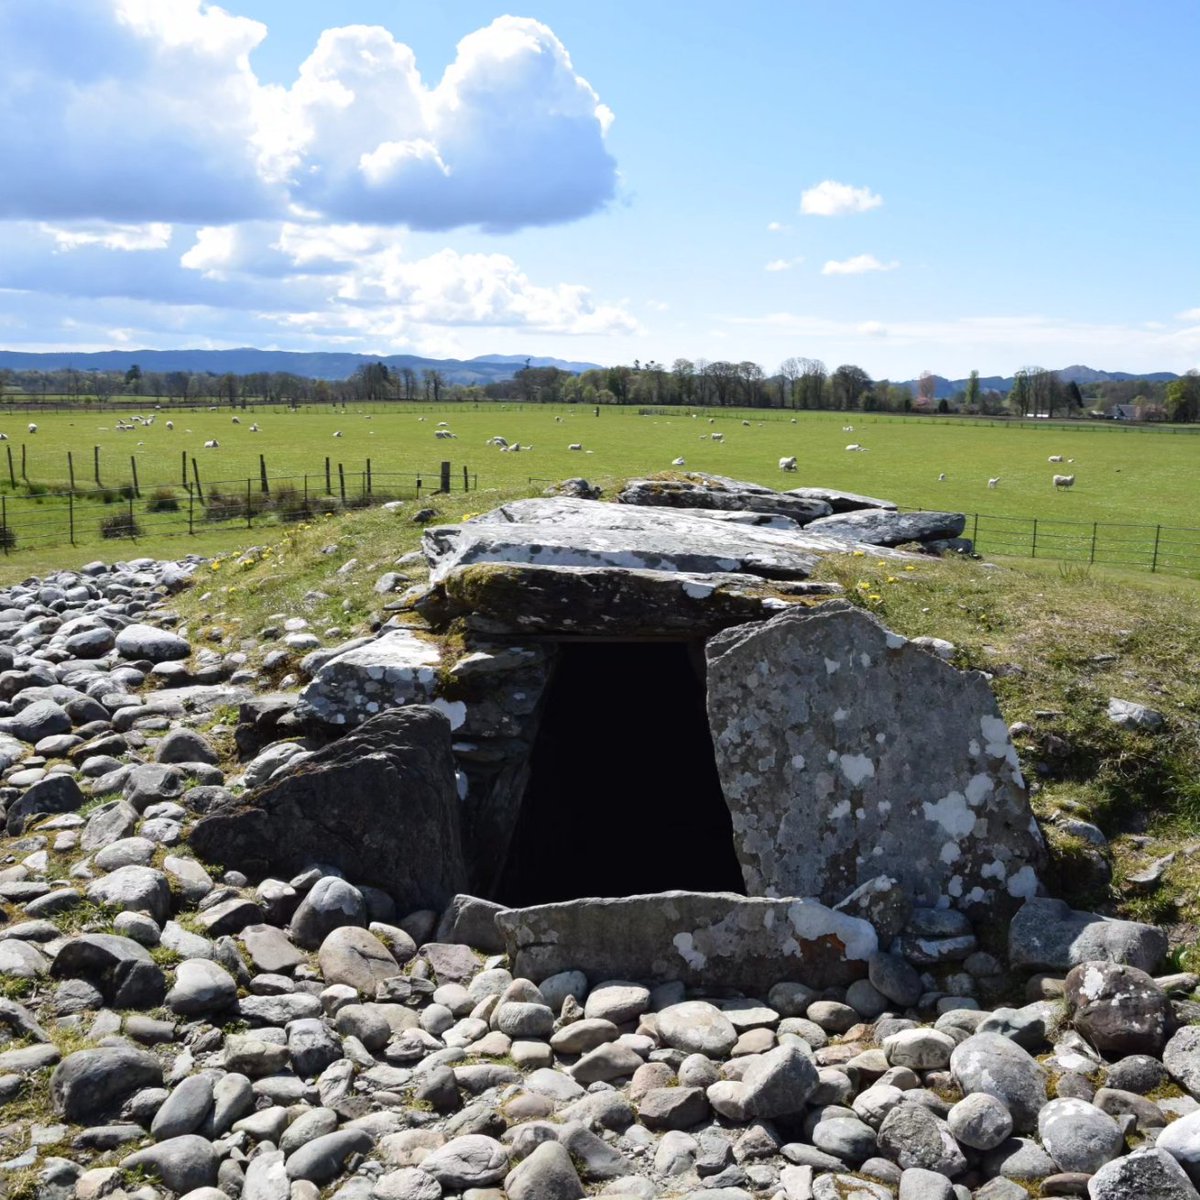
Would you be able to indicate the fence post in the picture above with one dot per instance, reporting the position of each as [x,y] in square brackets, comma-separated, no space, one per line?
[1092,556]
[328,482]
[445,484]
[4,517]
[249,523]
[137,491]
[1154,559]
[466,479]
[196,475]
[306,492]
[71,471]
[95,464]
[191,511]
[12,475]
[183,468]
[262,475]
[370,487]
[1033,551]
[71,514]
[975,532]
[23,475]
[342,482]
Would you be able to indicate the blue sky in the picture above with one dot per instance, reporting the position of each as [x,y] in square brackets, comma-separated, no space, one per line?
[932,185]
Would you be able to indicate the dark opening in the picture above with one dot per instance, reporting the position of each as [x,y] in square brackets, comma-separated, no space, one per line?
[623,796]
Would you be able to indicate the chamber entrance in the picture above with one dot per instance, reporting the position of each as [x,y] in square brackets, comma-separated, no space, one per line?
[623,796]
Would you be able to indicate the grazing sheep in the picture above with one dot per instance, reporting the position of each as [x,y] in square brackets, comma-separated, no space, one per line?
[1055,458]
[788,464]
[994,483]
[443,434]
[712,420]
[847,428]
[170,424]
[678,462]
[212,444]
[558,420]
[443,424]
[254,428]
[747,424]
[717,437]
[1064,481]
[575,446]
[3,437]
[234,420]
[855,446]
[793,420]
[337,433]
[942,477]
[32,427]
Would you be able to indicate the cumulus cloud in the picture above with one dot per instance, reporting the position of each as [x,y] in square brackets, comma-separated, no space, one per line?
[132,111]
[154,235]
[832,199]
[860,264]
[778,227]
[783,264]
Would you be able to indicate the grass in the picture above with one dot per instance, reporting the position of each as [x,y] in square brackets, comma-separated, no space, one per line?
[1140,477]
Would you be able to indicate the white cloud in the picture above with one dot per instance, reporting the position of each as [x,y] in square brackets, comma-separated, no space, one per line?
[778,227]
[860,264]
[154,235]
[872,329]
[832,199]
[1189,314]
[136,111]
[783,264]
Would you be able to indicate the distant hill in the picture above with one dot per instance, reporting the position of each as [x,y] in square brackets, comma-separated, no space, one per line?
[248,361]
[945,389]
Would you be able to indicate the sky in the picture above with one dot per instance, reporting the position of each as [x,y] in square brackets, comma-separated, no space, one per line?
[922,186]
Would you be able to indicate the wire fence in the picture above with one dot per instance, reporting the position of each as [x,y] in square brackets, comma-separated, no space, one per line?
[75,516]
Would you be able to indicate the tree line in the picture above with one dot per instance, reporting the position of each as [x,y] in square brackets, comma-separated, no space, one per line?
[798,384]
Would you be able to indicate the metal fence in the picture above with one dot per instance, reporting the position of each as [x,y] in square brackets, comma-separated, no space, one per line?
[55,517]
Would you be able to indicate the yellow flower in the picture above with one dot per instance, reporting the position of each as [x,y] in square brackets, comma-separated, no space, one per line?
[860,553]
[216,565]
[875,597]
[892,579]
[880,563]
[910,568]
[863,585]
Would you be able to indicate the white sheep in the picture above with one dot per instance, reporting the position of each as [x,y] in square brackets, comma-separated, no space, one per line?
[678,462]
[443,434]
[994,483]
[337,433]
[942,477]
[254,428]
[3,437]
[497,441]
[32,427]
[443,424]
[575,446]
[717,437]
[170,424]
[212,444]
[1055,458]
[855,446]
[236,420]
[1064,481]
[558,420]
[847,428]
[712,420]
[747,424]
[788,464]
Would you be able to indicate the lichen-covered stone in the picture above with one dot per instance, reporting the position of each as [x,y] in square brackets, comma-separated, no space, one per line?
[843,750]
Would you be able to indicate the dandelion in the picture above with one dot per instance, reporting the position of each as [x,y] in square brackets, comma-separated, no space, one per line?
[863,585]
[215,564]
[880,563]
[910,568]
[860,553]
[892,579]
[874,597]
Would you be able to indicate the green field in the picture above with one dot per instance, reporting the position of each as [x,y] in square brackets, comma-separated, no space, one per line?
[1123,477]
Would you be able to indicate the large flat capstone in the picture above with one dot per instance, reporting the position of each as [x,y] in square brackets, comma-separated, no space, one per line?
[880,527]
[844,751]
[698,490]
[711,939]
[583,533]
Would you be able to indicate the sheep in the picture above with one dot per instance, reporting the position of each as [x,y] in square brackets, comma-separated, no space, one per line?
[942,477]
[793,420]
[32,427]
[678,462]
[747,424]
[575,446]
[443,434]
[558,420]
[234,420]
[847,428]
[497,441]
[994,483]
[712,420]
[788,464]
[1064,481]
[855,446]
[170,424]
[212,444]
[717,437]
[1055,458]
[254,428]
[337,433]
[443,424]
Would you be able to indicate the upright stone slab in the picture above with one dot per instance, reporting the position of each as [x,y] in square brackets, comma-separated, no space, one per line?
[845,751]
[380,804]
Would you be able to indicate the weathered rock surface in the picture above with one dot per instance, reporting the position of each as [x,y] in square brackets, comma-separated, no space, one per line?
[823,715]
[1049,935]
[380,804]
[878,527]
[709,938]
[696,490]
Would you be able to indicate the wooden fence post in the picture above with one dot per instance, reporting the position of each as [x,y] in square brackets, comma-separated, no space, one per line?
[96,464]
[137,491]
[262,475]
[328,483]
[342,482]
[445,484]
[183,479]
[71,472]
[196,476]
[12,475]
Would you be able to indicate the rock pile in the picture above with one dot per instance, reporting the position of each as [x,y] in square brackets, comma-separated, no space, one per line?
[325,1008]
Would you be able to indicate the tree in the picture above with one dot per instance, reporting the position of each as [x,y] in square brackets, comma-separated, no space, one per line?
[850,384]
[133,380]
[684,373]
[434,382]
[971,399]
[927,389]
[1183,398]
[812,383]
